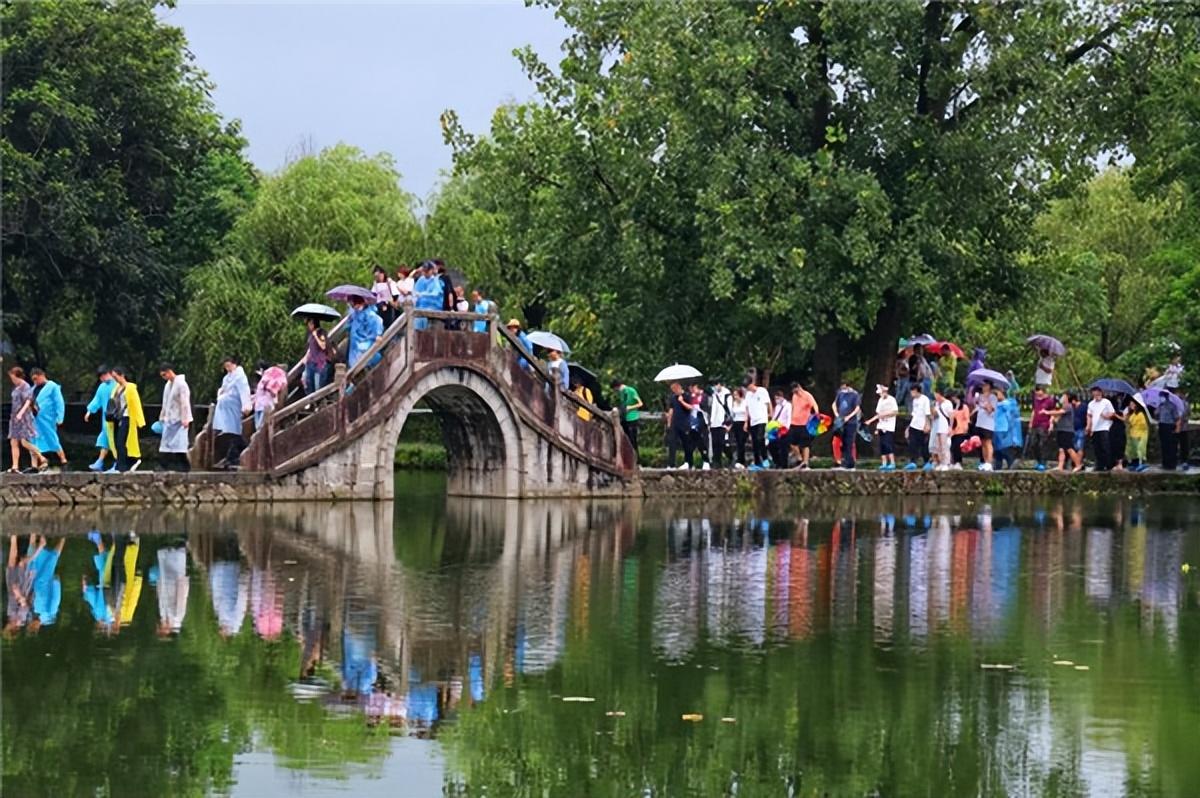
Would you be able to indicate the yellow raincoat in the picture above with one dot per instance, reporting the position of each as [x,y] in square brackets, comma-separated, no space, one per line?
[137,420]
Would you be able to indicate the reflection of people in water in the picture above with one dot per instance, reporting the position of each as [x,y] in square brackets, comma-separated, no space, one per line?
[18,582]
[359,667]
[47,588]
[96,595]
[266,595]
[314,629]
[230,587]
[173,586]
[129,580]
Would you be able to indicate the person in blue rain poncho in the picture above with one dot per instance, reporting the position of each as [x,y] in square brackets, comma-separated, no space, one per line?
[366,327]
[51,409]
[47,588]
[97,406]
[1008,435]
[429,292]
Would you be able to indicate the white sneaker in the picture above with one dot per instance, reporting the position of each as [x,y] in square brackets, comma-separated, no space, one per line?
[985,467]
[738,467]
[684,467]
[135,465]
[957,466]
[705,467]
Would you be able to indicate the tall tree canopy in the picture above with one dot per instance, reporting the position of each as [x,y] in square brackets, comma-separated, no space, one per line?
[791,180]
[119,177]
[325,219]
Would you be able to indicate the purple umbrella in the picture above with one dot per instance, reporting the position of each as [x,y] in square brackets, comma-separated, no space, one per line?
[1156,396]
[1047,342]
[344,293]
[997,379]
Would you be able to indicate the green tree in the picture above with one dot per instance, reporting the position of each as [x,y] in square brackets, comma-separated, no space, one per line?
[119,177]
[792,180]
[325,219]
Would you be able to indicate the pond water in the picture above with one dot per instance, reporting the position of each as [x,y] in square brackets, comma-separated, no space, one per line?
[462,647]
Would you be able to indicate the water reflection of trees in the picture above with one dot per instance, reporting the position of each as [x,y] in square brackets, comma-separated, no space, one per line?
[834,636]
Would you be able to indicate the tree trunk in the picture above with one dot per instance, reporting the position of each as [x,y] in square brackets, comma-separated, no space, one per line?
[881,355]
[826,367]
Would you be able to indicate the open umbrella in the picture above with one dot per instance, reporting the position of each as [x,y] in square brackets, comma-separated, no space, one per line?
[924,339]
[548,340]
[1047,342]
[1156,396]
[997,379]
[589,380]
[1113,385]
[344,293]
[677,372]
[314,310]
[943,348]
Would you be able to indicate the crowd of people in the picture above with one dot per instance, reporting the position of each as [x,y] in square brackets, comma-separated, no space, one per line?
[755,428]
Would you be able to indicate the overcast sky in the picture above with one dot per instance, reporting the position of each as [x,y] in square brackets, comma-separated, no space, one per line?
[375,75]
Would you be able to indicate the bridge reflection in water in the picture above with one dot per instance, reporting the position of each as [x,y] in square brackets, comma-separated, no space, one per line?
[832,634]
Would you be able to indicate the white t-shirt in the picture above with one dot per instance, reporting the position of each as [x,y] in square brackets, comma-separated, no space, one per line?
[920,412]
[886,404]
[1045,371]
[717,417]
[941,417]
[737,410]
[1097,408]
[758,404]
[985,416]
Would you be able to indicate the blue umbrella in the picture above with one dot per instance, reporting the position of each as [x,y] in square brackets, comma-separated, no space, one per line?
[997,379]
[1113,385]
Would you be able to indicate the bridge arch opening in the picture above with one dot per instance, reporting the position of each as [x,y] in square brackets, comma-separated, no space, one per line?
[480,435]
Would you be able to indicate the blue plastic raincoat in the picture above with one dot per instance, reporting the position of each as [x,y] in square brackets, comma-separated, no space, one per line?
[51,409]
[233,399]
[365,326]
[428,291]
[98,405]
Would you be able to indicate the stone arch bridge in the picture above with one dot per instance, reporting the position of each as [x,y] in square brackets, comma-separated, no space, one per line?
[508,430]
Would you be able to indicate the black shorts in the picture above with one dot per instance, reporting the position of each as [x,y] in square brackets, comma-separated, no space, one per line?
[985,434]
[798,436]
[1065,440]
[887,443]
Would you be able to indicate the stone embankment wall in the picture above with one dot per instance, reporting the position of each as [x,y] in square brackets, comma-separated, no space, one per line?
[205,488]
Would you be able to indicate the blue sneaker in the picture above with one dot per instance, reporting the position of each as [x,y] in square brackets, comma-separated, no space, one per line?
[883,466]
[890,467]
[97,466]
[1040,467]
[927,467]
[754,467]
[911,467]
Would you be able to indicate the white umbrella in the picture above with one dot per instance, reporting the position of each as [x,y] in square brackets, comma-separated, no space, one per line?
[548,340]
[678,371]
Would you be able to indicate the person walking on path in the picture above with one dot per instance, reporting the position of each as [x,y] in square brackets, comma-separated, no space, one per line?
[1100,414]
[848,406]
[719,419]
[1039,424]
[98,405]
[21,430]
[126,415]
[316,357]
[49,410]
[804,407]
[1169,423]
[919,425]
[699,423]
[758,410]
[886,410]
[679,414]
[985,424]
[233,401]
[175,417]
[1063,417]
[630,407]
[1137,435]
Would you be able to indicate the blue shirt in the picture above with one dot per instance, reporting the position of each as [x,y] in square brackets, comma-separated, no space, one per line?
[847,399]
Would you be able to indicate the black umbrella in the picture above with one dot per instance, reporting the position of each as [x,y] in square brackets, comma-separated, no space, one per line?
[589,380]
[1113,385]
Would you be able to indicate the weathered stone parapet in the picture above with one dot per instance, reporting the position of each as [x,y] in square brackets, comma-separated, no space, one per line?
[656,483]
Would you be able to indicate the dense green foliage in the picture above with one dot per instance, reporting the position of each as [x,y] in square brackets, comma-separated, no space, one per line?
[118,175]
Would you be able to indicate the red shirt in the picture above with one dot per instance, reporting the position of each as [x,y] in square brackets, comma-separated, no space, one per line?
[1040,406]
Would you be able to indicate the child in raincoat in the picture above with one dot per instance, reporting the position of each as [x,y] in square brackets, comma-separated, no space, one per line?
[125,417]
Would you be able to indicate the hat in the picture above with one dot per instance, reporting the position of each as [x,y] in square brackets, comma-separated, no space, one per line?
[513,323]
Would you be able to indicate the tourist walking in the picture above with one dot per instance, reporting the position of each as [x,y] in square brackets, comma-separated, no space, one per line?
[678,422]
[719,421]
[272,384]
[49,411]
[1040,423]
[777,433]
[583,392]
[848,406]
[366,328]
[985,424]
[1100,414]
[629,405]
[21,430]
[175,417]
[700,426]
[738,426]
[758,410]
[126,415]
[382,288]
[1009,437]
[1181,434]
[428,291]
[559,372]
[804,408]
[1063,417]
[97,406]
[525,349]
[316,357]
[1169,423]
[482,306]
[919,426]
[886,410]
[233,401]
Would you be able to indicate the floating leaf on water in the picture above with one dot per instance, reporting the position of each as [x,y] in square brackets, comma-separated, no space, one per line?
[996,666]
[729,720]
[1063,662]
[580,699]
[693,717]
[615,713]
[1082,668]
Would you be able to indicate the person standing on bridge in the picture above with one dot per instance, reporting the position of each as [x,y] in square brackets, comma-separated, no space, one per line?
[233,400]
[482,306]
[428,290]
[175,417]
[316,357]
[365,329]
[514,327]
[98,404]
[558,369]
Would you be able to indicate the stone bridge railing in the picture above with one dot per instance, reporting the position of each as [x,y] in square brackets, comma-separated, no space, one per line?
[309,428]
